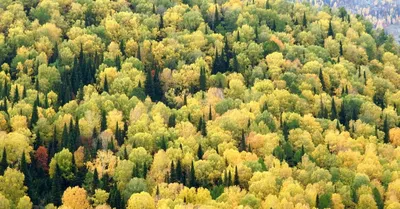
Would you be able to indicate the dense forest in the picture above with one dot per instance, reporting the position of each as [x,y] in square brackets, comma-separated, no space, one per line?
[144,104]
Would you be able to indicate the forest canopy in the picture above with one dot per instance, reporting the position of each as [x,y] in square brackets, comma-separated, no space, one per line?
[196,103]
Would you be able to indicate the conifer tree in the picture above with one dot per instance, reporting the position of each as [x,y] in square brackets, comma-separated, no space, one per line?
[242,142]
[65,137]
[24,93]
[149,85]
[200,152]
[158,92]
[378,198]
[321,78]
[16,95]
[216,18]
[203,79]
[35,114]
[122,47]
[53,147]
[285,131]
[56,187]
[273,27]
[172,120]
[192,177]
[333,109]
[3,162]
[178,171]
[103,124]
[236,177]
[118,62]
[235,64]
[330,30]
[267,5]
[386,130]
[209,113]
[96,181]
[138,53]
[24,168]
[341,49]
[115,199]
[105,87]
[204,127]
[304,20]
[172,173]
[200,124]
[77,134]
[71,136]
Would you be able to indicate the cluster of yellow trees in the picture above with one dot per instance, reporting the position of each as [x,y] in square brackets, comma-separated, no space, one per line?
[196,104]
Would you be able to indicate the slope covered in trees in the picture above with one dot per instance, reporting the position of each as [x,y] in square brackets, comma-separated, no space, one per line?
[196,103]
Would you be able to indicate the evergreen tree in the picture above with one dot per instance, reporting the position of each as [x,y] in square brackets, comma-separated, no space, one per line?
[105,87]
[172,120]
[341,49]
[122,47]
[24,93]
[96,182]
[161,24]
[172,173]
[386,130]
[304,20]
[158,92]
[378,198]
[77,134]
[285,131]
[267,5]
[35,114]
[65,137]
[330,30]
[200,124]
[204,127]
[178,172]
[54,56]
[203,79]
[242,142]
[216,18]
[118,62]
[16,95]
[144,170]
[24,168]
[235,64]
[115,199]
[321,78]
[3,162]
[273,27]
[103,125]
[200,152]
[333,109]
[38,142]
[209,113]
[185,99]
[53,147]
[236,177]
[192,177]
[149,85]
[72,137]
[56,187]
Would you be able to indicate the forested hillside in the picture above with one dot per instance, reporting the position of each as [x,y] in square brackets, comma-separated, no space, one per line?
[146,104]
[381,13]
